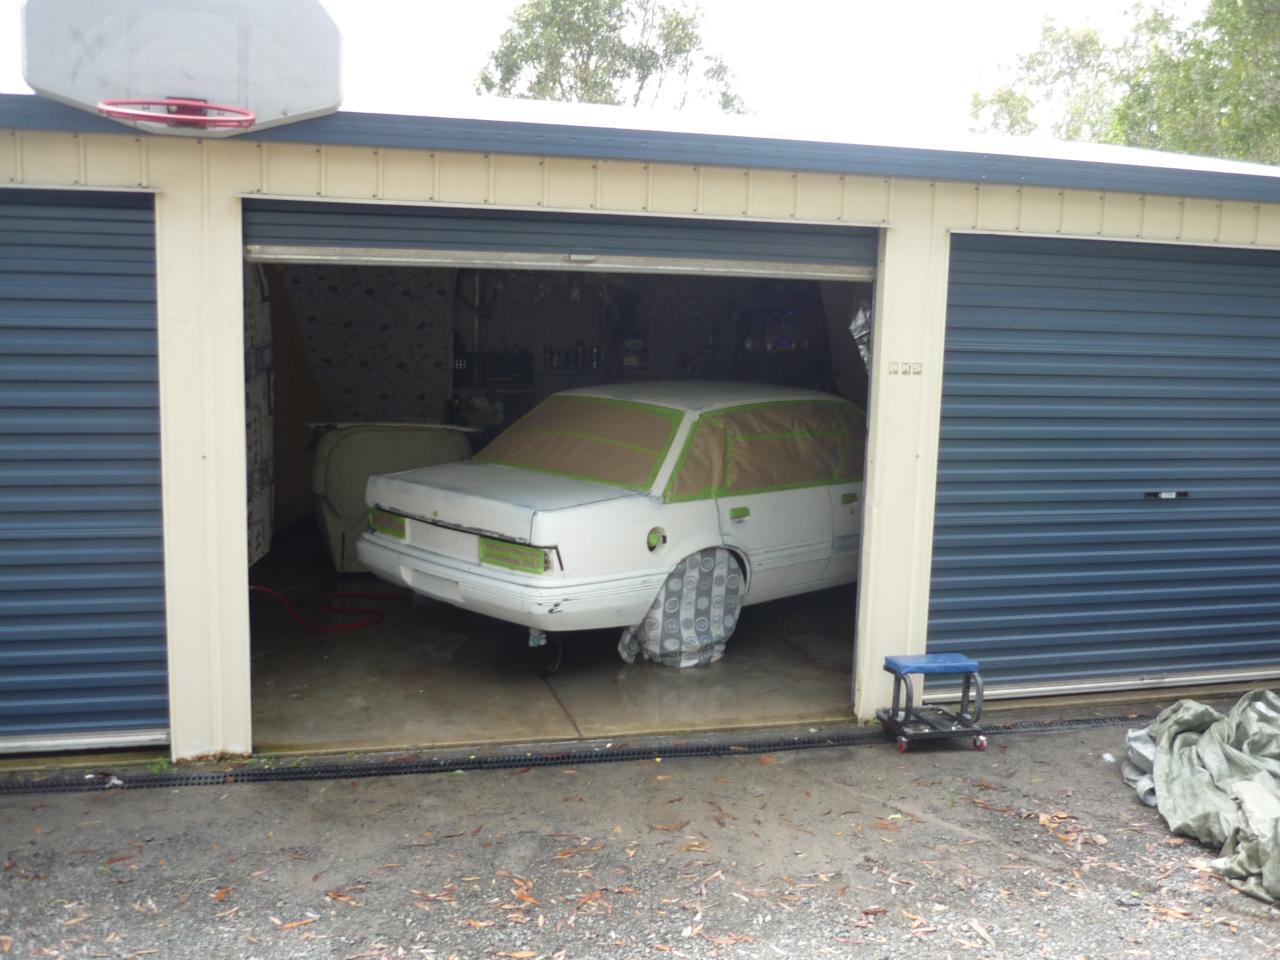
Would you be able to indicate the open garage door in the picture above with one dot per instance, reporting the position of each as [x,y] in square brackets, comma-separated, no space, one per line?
[1108,505]
[82,632]
[293,232]
[386,322]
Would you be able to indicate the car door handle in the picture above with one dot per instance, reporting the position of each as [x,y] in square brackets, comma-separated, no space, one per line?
[738,514]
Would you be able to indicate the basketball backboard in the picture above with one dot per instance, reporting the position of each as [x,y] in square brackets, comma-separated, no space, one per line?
[276,59]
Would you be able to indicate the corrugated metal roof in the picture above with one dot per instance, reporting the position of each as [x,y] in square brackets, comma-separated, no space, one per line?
[1075,166]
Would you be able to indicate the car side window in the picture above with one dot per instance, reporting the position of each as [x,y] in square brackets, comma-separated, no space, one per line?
[773,446]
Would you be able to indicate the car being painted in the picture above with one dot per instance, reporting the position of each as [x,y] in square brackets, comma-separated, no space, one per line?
[573,517]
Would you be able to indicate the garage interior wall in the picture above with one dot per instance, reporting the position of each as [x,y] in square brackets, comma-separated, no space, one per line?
[200,186]
[82,617]
[1109,469]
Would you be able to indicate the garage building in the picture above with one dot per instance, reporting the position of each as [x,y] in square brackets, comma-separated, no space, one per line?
[1073,458]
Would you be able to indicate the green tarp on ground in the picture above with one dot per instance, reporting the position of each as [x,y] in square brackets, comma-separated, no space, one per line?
[1217,779]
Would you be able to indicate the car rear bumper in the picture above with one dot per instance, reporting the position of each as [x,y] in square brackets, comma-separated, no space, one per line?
[558,604]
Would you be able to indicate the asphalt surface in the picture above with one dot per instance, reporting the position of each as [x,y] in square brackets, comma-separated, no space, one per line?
[1034,848]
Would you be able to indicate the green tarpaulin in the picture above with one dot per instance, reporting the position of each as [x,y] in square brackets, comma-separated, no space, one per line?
[1217,779]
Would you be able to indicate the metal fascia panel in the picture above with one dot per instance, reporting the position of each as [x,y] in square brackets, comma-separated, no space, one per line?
[390,131]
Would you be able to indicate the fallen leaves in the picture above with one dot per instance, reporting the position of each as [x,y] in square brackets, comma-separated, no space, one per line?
[426,898]
[292,924]
[522,889]
[221,894]
[585,847]
[669,827]
[726,939]
[343,896]
[6,944]
[979,802]
[721,816]
[1051,821]
[981,931]
[919,925]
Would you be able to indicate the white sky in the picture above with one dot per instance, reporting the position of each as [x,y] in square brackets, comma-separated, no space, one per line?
[901,71]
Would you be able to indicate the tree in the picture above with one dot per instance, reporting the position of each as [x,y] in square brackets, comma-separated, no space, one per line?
[1212,88]
[1071,76]
[636,52]
[1208,87]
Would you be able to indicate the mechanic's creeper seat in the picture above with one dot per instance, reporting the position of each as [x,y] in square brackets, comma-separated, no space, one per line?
[909,722]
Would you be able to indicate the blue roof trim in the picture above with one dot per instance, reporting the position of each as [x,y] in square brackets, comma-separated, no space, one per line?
[391,131]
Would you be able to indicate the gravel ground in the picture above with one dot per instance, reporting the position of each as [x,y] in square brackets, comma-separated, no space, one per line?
[1032,849]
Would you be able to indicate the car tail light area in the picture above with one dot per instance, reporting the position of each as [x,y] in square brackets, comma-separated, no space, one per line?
[466,545]
[387,523]
[516,556]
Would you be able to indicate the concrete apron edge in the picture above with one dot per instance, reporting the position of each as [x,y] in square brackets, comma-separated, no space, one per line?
[518,757]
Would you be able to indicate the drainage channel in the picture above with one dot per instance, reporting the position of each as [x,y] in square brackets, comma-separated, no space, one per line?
[542,757]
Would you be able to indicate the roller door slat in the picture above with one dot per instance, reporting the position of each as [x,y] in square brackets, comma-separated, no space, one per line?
[82,648]
[1108,500]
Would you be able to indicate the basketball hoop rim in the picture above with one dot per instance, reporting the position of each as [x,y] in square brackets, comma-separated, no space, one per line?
[137,110]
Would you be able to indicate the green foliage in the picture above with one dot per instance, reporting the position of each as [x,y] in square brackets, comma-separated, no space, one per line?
[635,52]
[1212,88]
[1209,87]
[1072,74]
[1004,110]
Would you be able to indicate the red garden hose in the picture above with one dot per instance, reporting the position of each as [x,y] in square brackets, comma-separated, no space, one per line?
[372,617]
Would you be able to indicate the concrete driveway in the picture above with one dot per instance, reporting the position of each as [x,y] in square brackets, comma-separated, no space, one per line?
[1034,848]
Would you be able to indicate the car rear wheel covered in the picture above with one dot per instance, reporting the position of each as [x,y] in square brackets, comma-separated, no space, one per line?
[694,614]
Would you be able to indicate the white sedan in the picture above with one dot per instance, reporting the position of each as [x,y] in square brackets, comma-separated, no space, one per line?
[581,513]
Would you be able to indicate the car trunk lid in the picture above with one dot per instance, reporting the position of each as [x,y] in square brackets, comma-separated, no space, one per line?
[483,498]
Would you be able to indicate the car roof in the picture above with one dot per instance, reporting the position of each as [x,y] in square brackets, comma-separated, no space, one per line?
[697,395]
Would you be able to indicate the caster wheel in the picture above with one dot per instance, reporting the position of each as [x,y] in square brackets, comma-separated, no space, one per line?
[979,743]
[902,744]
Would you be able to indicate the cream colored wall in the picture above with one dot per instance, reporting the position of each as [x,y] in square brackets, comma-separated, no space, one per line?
[198,188]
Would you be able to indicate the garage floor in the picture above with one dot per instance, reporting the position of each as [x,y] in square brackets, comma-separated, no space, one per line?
[433,675]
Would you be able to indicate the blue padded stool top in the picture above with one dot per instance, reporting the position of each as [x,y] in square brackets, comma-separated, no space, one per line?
[931,663]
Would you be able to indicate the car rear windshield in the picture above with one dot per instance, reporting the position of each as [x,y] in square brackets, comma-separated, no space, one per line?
[617,442]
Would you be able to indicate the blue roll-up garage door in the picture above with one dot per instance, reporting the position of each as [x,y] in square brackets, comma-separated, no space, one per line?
[82,643]
[1108,505]
[278,230]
